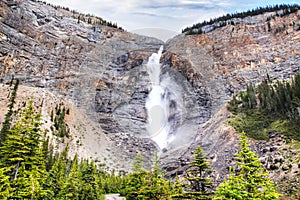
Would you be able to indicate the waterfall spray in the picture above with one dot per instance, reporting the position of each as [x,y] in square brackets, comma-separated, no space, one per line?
[158,104]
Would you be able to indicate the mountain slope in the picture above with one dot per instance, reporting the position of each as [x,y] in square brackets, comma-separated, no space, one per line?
[47,48]
[229,58]
[100,72]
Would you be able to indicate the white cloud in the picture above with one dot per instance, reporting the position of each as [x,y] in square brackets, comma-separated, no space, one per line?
[167,14]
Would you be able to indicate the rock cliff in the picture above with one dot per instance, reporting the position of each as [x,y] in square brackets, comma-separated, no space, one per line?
[226,60]
[100,73]
[45,47]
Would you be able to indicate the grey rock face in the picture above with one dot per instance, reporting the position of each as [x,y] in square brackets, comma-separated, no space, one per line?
[226,60]
[124,96]
[45,47]
[102,71]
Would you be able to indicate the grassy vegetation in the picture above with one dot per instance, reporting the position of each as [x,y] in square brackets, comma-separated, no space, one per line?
[255,125]
[271,107]
[260,126]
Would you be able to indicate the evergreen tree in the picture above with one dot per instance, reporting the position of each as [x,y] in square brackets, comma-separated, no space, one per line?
[5,188]
[138,163]
[72,187]
[89,180]
[251,99]
[296,86]
[136,179]
[21,156]
[177,189]
[28,184]
[249,180]
[200,185]
[142,184]
[56,177]
[155,187]
[7,119]
[48,153]
[112,183]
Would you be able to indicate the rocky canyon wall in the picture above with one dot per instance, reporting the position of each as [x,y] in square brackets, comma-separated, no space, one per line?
[101,71]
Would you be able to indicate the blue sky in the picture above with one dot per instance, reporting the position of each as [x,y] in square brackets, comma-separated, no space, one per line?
[173,15]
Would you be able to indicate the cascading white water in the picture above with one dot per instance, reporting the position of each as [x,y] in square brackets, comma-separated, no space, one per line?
[158,104]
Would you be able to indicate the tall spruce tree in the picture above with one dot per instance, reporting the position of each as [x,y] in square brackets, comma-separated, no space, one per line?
[21,157]
[56,177]
[177,189]
[136,179]
[156,186]
[90,181]
[7,120]
[72,187]
[249,180]
[200,184]
[143,184]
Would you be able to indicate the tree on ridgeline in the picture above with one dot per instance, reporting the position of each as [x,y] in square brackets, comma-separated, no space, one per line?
[280,11]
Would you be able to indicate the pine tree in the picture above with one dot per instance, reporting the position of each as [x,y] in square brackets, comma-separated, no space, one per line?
[21,156]
[72,187]
[138,163]
[48,153]
[142,184]
[28,184]
[177,189]
[200,185]
[5,188]
[56,177]
[7,120]
[249,180]
[155,187]
[296,86]
[136,179]
[89,180]
[251,99]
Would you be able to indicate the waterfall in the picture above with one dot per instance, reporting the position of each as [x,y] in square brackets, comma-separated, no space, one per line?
[159,104]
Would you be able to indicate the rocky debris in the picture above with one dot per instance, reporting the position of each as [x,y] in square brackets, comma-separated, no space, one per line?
[219,143]
[130,145]
[280,157]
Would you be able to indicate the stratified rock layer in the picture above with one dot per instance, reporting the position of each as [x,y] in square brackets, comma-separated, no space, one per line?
[101,73]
